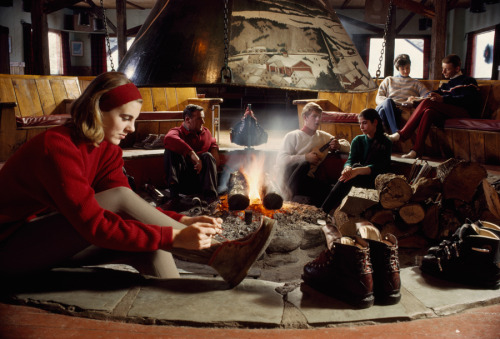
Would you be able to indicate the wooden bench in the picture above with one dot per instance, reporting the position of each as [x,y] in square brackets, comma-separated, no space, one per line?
[468,139]
[29,104]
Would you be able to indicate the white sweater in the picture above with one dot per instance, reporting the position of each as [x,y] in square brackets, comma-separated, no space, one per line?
[297,144]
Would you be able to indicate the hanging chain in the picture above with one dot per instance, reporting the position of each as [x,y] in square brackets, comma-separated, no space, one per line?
[226,73]
[386,28]
[107,36]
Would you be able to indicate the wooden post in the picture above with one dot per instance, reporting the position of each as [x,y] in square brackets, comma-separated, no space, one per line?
[438,39]
[390,44]
[121,31]
[40,38]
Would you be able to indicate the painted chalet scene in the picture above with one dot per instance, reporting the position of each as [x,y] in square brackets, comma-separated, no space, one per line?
[268,56]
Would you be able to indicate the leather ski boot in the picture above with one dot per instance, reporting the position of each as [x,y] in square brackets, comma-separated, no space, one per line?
[385,261]
[471,256]
[343,272]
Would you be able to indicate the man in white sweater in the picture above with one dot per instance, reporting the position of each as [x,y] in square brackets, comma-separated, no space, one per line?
[301,154]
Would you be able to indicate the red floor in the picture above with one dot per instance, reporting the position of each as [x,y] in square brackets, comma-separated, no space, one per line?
[28,322]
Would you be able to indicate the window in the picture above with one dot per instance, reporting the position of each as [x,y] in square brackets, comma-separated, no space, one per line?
[113,42]
[482,54]
[413,47]
[55,53]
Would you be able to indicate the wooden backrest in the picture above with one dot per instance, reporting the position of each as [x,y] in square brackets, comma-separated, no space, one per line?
[166,98]
[38,95]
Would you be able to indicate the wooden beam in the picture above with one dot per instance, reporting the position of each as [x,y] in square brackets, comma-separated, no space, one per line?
[360,24]
[407,19]
[40,38]
[55,5]
[417,8]
[390,44]
[121,23]
[438,39]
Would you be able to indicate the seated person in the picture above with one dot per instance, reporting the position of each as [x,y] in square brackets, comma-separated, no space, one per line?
[370,156]
[458,98]
[299,157]
[191,156]
[397,90]
[65,201]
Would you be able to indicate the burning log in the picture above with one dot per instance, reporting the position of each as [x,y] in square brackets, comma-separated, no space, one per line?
[269,193]
[237,197]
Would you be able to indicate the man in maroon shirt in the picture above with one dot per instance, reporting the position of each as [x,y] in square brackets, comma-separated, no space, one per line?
[191,156]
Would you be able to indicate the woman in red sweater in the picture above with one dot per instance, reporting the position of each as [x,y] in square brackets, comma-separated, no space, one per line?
[64,200]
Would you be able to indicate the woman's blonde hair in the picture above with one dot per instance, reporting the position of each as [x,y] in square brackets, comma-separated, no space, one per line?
[85,112]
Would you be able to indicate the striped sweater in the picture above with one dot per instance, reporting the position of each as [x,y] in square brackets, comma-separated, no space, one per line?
[399,88]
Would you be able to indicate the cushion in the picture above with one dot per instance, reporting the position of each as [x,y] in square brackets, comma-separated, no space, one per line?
[474,124]
[339,117]
[43,120]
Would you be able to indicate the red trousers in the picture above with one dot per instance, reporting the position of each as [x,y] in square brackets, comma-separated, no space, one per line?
[425,115]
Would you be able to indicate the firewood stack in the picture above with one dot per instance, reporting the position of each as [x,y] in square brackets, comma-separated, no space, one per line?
[421,209]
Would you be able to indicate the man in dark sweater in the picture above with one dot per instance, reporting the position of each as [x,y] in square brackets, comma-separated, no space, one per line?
[458,98]
[191,156]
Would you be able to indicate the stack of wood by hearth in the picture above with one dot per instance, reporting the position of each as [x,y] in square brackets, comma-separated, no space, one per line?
[425,206]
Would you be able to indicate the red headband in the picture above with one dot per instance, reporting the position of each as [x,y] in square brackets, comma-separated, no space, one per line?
[119,96]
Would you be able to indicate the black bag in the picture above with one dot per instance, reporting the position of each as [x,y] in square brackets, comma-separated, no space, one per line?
[247,132]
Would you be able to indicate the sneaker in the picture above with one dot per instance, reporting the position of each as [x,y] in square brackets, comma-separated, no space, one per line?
[157,143]
[343,272]
[471,256]
[150,138]
[385,261]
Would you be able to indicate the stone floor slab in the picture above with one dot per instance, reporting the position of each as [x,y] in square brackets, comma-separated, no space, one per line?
[209,301]
[445,297]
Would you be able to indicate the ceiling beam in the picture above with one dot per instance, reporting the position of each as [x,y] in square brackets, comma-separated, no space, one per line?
[416,8]
[97,11]
[55,5]
[407,19]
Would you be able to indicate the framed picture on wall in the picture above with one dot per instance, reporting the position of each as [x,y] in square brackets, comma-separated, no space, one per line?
[76,48]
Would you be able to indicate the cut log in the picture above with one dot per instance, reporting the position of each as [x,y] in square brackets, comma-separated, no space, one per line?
[382,217]
[460,179]
[412,213]
[237,197]
[270,194]
[426,188]
[492,198]
[448,223]
[358,200]
[430,226]
[394,190]
[346,223]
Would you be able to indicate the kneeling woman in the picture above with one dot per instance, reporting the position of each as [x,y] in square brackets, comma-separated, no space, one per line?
[370,156]
[64,200]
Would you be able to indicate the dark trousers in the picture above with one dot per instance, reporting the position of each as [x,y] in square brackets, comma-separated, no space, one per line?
[181,177]
[299,183]
[426,114]
[341,189]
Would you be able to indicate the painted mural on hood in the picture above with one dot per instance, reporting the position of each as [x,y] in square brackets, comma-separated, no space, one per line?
[293,44]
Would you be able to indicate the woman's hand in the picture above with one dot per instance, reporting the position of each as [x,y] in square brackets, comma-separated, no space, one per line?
[195,237]
[347,174]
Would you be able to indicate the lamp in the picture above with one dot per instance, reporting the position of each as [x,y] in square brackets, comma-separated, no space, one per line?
[477,6]
[288,44]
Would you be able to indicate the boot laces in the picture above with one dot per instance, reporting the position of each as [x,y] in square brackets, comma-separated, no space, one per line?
[323,259]
[363,256]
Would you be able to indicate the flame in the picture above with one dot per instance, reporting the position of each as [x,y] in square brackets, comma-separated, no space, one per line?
[253,170]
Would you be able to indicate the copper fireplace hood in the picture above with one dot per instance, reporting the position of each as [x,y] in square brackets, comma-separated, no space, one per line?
[287,44]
